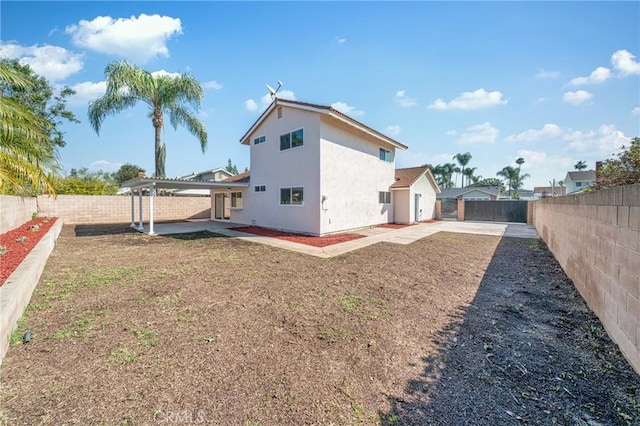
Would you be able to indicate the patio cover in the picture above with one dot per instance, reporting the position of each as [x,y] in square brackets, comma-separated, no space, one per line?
[153,184]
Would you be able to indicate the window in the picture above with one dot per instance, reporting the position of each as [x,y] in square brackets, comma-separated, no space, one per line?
[259,140]
[236,200]
[384,197]
[260,188]
[385,155]
[292,196]
[291,140]
[578,184]
[279,112]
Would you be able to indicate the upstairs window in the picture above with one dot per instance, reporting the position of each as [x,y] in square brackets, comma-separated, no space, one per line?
[291,140]
[385,155]
[259,140]
[260,188]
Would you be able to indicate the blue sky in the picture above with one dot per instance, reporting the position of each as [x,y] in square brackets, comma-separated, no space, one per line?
[553,83]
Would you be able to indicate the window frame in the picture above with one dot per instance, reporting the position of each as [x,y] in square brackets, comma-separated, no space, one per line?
[382,157]
[259,140]
[290,135]
[260,188]
[383,196]
[290,198]
[234,200]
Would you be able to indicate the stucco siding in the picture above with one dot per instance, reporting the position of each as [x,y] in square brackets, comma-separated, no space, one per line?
[427,200]
[351,177]
[401,205]
[295,167]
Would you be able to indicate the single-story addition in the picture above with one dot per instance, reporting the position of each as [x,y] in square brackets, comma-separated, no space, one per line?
[317,171]
[471,193]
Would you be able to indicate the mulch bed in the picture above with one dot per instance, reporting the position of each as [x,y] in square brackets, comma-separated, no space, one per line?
[18,242]
[325,241]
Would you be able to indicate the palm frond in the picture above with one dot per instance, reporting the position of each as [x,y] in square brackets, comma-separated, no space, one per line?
[197,128]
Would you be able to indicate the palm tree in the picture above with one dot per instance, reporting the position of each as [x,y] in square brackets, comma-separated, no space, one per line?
[127,84]
[519,162]
[28,160]
[463,160]
[468,172]
[510,174]
[580,165]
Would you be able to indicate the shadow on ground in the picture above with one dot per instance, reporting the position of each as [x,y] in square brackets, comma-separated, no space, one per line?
[527,350]
[103,229]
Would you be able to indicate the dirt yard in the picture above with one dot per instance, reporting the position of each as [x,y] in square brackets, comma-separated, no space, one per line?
[452,329]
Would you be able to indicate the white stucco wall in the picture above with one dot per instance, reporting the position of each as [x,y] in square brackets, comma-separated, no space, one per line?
[401,206]
[351,176]
[427,201]
[277,169]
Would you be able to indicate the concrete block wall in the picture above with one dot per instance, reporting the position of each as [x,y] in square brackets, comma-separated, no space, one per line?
[596,239]
[88,209]
[14,211]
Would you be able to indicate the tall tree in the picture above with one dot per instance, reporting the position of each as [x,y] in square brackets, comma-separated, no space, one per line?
[469,174]
[580,165]
[519,162]
[28,155]
[126,172]
[509,174]
[231,168]
[487,182]
[178,96]
[622,170]
[463,160]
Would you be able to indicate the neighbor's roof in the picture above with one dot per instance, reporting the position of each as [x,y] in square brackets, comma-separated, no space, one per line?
[457,192]
[320,109]
[239,178]
[558,189]
[194,174]
[408,176]
[582,175]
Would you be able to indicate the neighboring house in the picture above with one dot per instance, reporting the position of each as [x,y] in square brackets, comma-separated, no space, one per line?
[213,175]
[526,194]
[548,191]
[414,195]
[317,171]
[578,181]
[471,193]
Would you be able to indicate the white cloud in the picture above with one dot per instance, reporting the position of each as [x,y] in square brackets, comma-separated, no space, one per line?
[578,97]
[480,133]
[340,40]
[52,62]
[393,129]
[164,73]
[104,165]
[548,131]
[607,139]
[87,91]
[543,74]
[403,100]
[544,166]
[212,84]
[251,105]
[636,111]
[471,100]
[452,132]
[597,76]
[347,109]
[266,100]
[140,38]
[623,61]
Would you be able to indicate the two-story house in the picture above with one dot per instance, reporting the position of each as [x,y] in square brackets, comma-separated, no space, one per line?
[579,180]
[317,171]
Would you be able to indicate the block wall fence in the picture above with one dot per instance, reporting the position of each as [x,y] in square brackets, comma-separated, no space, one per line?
[89,209]
[596,239]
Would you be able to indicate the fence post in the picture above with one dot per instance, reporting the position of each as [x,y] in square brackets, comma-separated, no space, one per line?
[438,212]
[460,209]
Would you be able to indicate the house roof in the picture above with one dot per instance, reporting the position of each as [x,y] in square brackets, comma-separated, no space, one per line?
[540,189]
[408,176]
[457,192]
[194,174]
[320,109]
[582,176]
[239,178]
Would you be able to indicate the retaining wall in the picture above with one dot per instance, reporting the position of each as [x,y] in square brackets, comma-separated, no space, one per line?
[596,238]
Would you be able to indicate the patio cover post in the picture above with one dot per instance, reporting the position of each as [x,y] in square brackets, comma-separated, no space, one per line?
[133,208]
[152,195]
[140,227]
